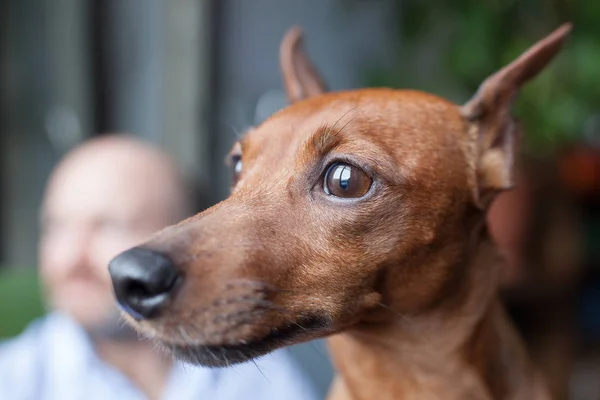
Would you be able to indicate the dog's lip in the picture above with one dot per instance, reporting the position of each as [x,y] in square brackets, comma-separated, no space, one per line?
[305,329]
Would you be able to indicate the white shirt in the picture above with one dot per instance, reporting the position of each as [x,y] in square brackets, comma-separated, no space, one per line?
[54,359]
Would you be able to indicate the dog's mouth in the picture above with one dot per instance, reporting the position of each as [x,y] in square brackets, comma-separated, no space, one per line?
[305,329]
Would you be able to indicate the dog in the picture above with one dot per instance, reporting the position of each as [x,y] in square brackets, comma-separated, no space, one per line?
[358,216]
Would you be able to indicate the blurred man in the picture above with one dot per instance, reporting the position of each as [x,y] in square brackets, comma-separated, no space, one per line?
[104,197]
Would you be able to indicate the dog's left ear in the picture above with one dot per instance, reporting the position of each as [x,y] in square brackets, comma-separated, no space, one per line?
[494,130]
[300,77]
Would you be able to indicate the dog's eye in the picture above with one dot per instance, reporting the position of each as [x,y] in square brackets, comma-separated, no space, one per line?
[346,181]
[236,168]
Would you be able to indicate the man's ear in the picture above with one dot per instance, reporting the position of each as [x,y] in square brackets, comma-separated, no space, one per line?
[493,129]
[300,77]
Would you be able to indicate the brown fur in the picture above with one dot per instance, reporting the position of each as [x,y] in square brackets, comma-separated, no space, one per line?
[401,280]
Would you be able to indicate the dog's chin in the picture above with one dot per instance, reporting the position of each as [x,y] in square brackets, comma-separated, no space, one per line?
[222,356]
[216,356]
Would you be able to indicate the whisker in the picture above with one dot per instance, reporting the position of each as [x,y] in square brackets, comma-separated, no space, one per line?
[157,347]
[122,322]
[350,120]
[143,335]
[343,115]
[257,367]
[184,335]
[213,355]
[239,133]
[300,326]
[227,363]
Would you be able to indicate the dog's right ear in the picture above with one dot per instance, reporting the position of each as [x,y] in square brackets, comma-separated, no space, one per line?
[493,129]
[300,77]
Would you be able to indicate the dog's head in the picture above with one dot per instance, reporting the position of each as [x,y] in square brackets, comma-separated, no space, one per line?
[341,203]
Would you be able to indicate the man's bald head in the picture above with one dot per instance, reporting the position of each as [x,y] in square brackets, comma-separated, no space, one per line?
[105,196]
[133,166]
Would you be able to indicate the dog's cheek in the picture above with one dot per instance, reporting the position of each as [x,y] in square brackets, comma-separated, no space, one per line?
[337,258]
[419,281]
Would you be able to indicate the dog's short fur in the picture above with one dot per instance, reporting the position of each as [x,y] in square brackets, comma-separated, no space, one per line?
[391,263]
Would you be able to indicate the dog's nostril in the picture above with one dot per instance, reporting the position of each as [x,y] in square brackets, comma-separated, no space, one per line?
[143,281]
[136,289]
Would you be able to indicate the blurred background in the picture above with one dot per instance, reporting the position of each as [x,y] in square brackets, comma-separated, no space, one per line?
[191,75]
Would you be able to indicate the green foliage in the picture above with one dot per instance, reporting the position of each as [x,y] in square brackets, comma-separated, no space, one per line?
[20,300]
[450,47]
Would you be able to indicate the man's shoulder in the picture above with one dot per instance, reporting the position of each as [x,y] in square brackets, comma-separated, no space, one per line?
[19,358]
[24,341]
[274,376]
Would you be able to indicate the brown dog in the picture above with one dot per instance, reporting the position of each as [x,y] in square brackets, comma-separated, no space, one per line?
[356,215]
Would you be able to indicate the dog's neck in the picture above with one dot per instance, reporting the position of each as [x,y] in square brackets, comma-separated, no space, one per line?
[469,351]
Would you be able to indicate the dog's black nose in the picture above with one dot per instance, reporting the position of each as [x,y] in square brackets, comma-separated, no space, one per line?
[143,281]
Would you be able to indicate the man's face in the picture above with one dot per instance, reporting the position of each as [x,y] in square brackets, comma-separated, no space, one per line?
[94,209]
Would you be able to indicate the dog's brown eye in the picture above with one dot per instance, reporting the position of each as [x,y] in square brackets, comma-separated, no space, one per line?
[346,181]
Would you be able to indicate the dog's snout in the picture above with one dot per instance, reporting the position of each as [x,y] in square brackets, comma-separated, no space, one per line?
[143,281]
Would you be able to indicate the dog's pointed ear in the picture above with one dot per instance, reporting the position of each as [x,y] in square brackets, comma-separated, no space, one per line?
[300,77]
[493,129]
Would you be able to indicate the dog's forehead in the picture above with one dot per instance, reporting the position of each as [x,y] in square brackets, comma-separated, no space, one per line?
[409,125]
